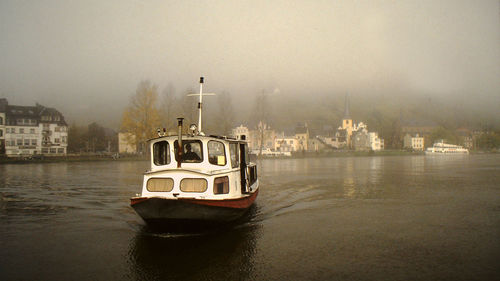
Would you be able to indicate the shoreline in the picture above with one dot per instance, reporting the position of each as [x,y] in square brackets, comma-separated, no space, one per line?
[70,158]
[298,155]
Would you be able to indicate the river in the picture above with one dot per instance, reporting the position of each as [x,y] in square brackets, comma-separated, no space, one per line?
[346,218]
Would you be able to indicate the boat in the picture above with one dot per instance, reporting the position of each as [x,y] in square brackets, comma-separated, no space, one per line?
[195,179]
[442,148]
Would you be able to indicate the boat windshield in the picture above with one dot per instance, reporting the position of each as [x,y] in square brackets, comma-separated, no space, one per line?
[193,152]
[161,153]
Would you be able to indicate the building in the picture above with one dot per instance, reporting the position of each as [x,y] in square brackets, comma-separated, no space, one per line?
[423,128]
[347,124]
[414,143]
[262,138]
[240,132]
[466,137]
[361,140]
[285,143]
[302,137]
[376,143]
[32,130]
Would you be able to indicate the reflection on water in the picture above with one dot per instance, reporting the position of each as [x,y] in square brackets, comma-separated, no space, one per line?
[355,218]
[227,253]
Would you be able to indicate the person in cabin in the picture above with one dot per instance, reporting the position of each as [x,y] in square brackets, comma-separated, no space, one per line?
[190,155]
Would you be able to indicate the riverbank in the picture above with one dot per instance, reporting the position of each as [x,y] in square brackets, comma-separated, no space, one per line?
[109,157]
[71,158]
[352,153]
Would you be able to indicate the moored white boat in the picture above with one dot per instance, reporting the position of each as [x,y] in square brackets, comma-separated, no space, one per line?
[441,148]
[197,178]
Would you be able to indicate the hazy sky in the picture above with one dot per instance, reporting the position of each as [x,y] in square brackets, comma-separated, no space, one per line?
[87,57]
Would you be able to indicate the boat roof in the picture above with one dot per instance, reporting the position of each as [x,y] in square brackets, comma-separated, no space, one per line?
[200,137]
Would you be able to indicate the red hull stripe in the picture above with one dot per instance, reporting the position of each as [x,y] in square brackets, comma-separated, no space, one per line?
[240,203]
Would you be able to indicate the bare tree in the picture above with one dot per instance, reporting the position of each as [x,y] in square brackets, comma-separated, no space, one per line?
[169,105]
[225,115]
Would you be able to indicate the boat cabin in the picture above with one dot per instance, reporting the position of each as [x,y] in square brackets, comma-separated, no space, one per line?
[206,168]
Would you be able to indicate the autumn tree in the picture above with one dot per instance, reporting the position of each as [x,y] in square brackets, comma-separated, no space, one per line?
[141,118]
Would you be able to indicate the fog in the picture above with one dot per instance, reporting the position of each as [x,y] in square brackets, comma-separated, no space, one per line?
[86,58]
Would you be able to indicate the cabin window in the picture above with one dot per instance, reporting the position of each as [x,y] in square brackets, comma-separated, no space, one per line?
[160,184]
[216,153]
[193,152]
[194,185]
[161,153]
[221,185]
[235,153]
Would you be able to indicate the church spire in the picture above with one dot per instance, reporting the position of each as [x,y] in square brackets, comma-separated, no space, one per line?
[347,114]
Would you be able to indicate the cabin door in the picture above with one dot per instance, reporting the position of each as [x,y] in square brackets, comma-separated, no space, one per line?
[243,167]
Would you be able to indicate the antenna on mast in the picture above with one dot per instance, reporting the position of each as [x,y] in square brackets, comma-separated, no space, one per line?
[200,103]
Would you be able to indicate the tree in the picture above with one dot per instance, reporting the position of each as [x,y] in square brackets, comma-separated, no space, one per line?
[261,114]
[96,137]
[142,118]
[76,138]
[168,110]
[442,133]
[225,115]
[188,106]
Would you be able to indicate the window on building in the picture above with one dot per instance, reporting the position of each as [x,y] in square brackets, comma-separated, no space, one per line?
[1,120]
[19,142]
[57,140]
[45,150]
[34,142]
[64,139]
[161,153]
[60,150]
[1,133]
[53,150]
[32,131]
[21,130]
[26,142]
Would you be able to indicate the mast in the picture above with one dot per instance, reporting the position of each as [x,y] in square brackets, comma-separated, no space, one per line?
[200,103]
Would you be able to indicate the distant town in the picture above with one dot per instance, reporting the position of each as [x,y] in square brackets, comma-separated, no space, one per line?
[39,131]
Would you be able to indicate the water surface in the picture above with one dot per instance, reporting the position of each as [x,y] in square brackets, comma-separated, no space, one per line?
[349,218]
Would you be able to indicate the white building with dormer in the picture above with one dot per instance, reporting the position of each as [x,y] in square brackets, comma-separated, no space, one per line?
[32,130]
